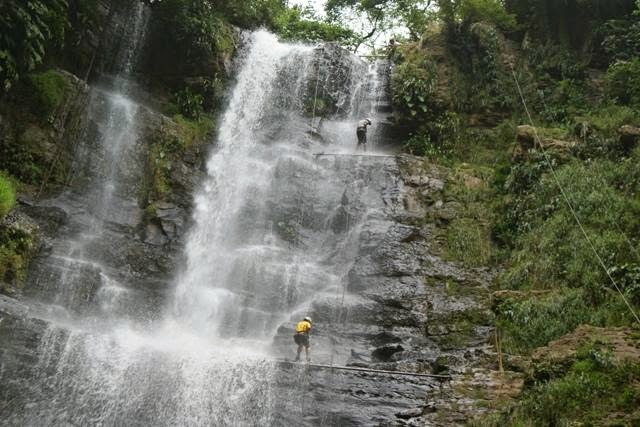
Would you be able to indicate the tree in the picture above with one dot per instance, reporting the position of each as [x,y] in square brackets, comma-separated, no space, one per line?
[470,11]
[27,28]
[382,15]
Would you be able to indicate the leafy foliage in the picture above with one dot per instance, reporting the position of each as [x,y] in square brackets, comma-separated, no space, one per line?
[189,32]
[189,104]
[27,28]
[571,23]
[595,390]
[623,82]
[384,14]
[467,12]
[621,38]
[414,84]
[294,24]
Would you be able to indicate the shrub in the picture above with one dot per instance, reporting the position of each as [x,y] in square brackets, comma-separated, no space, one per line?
[438,138]
[7,195]
[470,11]
[527,325]
[489,11]
[623,82]
[15,250]
[414,84]
[29,27]
[607,120]
[593,389]
[551,248]
[621,39]
[190,33]
[189,104]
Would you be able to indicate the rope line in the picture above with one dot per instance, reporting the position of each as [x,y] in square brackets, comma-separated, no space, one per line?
[568,202]
[377,371]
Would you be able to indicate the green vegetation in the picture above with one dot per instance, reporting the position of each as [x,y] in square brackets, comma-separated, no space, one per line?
[468,234]
[15,244]
[595,387]
[532,323]
[382,15]
[295,24]
[466,12]
[455,92]
[7,195]
[15,252]
[28,29]
[170,143]
[623,82]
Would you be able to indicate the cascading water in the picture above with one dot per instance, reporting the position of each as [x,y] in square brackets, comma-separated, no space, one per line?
[276,233]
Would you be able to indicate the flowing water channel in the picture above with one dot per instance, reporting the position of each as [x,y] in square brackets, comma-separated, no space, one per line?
[276,231]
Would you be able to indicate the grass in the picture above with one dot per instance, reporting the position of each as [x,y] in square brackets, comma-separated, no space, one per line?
[468,242]
[595,390]
[610,118]
[532,323]
[468,236]
[193,131]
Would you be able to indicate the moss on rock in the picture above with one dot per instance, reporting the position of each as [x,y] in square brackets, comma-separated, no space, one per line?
[18,244]
[7,195]
[47,91]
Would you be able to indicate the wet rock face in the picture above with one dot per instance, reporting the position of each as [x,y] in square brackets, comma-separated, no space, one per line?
[38,146]
[331,86]
[111,181]
[404,307]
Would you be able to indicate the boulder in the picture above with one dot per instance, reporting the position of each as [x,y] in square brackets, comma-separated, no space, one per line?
[529,138]
[558,355]
[629,136]
[526,137]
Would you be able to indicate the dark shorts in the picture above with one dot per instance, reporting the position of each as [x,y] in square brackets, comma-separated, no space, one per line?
[301,339]
[362,136]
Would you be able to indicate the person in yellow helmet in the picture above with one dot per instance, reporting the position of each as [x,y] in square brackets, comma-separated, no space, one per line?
[302,337]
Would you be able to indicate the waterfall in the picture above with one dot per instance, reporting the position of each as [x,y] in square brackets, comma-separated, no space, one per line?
[276,232]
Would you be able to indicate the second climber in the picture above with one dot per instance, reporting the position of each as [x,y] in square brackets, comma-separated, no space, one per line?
[361,133]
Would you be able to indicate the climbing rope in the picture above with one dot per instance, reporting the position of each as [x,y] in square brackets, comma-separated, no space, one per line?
[567,201]
[353,155]
[315,95]
[369,370]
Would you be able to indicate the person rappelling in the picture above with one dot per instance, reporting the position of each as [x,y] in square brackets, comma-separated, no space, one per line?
[302,337]
[361,132]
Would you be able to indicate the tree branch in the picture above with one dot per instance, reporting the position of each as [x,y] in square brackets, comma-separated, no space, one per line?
[369,35]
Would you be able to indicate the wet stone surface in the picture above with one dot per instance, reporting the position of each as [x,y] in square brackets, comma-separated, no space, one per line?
[393,312]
